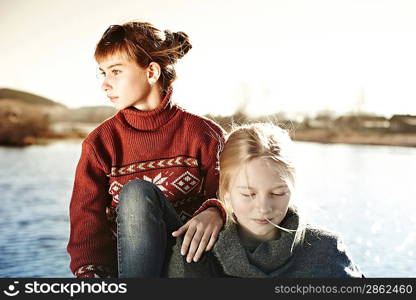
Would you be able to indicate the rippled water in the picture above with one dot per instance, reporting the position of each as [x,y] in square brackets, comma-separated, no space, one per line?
[368,195]
[365,193]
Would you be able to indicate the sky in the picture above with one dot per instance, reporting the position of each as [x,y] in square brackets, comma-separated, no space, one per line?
[292,56]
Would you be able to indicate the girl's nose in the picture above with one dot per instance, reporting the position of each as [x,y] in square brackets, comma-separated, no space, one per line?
[263,205]
[105,86]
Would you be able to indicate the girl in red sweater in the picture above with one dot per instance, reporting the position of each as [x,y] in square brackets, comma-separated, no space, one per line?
[147,170]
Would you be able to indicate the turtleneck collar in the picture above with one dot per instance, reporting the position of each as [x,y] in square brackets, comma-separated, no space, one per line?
[152,119]
[269,258]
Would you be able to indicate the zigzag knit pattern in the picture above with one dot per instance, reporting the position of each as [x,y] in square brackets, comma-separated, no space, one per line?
[179,161]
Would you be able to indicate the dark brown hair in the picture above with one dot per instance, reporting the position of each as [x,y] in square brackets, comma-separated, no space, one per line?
[143,43]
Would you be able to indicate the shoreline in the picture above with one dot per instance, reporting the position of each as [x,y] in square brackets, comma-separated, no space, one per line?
[355,138]
[310,135]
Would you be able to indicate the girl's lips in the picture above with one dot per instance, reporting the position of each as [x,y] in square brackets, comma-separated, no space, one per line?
[261,221]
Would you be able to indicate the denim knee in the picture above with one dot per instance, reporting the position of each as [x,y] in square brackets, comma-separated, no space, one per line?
[136,194]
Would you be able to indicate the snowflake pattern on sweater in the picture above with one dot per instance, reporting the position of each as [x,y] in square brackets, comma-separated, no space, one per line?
[176,177]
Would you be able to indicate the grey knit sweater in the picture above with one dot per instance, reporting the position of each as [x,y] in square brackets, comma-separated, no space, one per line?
[311,252]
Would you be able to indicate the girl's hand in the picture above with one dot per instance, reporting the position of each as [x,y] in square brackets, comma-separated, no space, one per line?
[201,233]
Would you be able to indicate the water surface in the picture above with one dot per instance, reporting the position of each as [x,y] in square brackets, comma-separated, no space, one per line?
[365,193]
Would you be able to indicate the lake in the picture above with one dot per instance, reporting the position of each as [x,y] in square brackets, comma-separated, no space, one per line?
[365,193]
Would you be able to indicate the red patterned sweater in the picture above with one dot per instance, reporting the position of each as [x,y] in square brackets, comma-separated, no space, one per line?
[175,150]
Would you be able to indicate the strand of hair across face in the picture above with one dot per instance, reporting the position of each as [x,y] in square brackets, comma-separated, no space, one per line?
[281,228]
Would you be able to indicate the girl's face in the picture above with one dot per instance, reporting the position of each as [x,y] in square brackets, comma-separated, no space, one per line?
[257,192]
[125,82]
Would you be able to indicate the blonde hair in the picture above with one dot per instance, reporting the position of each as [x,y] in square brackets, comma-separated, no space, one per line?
[247,142]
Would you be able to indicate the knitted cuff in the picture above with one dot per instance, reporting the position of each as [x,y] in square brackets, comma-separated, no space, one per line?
[212,203]
[88,275]
[94,271]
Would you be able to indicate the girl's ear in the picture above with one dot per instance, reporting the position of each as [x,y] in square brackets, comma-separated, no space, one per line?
[153,72]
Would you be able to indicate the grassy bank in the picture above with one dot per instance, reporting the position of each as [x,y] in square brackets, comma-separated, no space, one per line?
[325,136]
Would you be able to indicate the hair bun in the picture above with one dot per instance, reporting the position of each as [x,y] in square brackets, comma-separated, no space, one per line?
[177,43]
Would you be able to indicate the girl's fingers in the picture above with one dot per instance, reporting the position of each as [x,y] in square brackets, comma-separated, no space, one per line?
[212,239]
[196,239]
[187,239]
[202,244]
[180,231]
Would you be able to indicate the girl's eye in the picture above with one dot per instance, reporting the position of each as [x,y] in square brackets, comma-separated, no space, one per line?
[279,194]
[101,75]
[115,72]
[248,195]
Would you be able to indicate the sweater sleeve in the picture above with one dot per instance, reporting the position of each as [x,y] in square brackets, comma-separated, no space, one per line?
[176,266]
[344,266]
[210,164]
[91,246]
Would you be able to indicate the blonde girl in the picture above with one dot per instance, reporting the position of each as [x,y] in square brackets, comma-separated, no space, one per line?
[266,235]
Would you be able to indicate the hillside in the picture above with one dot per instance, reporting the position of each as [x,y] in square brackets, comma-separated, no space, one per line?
[26,118]
[91,114]
[26,97]
[19,103]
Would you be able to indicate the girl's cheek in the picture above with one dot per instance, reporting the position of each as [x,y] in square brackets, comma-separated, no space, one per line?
[245,208]
[283,204]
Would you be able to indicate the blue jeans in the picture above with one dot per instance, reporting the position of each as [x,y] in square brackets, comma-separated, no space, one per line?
[145,221]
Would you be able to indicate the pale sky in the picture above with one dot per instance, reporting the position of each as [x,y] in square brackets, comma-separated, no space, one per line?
[280,56]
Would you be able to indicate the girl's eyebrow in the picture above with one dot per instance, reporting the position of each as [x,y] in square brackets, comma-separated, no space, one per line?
[250,188]
[113,65]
